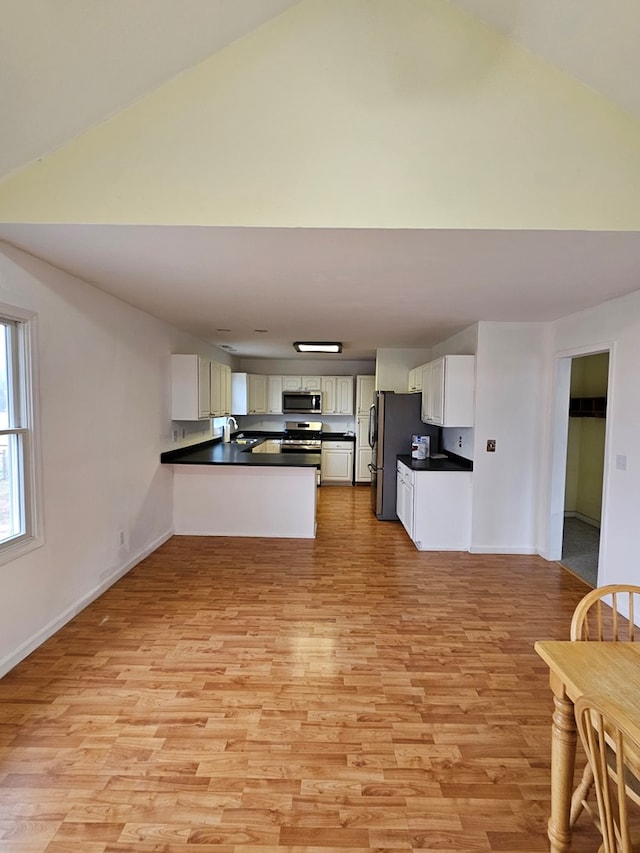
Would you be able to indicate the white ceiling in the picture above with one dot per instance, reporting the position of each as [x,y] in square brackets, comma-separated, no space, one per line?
[368,288]
[68,65]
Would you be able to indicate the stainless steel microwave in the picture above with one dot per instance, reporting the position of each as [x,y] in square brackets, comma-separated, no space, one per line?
[301,402]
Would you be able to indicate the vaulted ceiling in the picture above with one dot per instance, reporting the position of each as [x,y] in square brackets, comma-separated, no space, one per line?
[399,131]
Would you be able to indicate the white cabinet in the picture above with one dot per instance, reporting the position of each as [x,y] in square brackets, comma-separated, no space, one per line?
[447,391]
[226,389]
[365,394]
[271,445]
[190,388]
[257,394]
[415,379]
[220,389]
[404,497]
[336,462]
[274,395]
[435,508]
[365,397]
[337,395]
[363,451]
[301,383]
[248,394]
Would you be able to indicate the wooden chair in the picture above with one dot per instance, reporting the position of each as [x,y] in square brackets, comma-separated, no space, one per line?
[612,744]
[599,616]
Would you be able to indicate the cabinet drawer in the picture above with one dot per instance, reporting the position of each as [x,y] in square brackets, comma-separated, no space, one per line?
[337,445]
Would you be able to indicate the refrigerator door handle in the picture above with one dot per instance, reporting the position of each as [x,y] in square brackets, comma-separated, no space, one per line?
[372,429]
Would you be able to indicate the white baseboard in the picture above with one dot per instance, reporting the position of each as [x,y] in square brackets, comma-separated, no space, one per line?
[13,658]
[587,520]
[474,549]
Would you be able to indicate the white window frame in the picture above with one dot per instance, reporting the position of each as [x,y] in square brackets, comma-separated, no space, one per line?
[25,398]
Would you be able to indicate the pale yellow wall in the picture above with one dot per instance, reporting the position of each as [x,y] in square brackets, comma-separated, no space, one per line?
[586,439]
[367,113]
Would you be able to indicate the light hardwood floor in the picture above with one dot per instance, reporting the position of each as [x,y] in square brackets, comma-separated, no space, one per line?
[342,694]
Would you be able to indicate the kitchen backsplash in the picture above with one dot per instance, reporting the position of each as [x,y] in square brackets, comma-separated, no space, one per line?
[275,423]
[458,440]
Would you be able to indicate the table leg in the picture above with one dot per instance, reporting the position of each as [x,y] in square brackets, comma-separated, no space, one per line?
[563,756]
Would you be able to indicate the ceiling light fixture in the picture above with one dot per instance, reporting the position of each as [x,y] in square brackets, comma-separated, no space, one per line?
[316,346]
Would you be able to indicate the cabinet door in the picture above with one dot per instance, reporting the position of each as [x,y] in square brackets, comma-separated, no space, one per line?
[404,498]
[257,394]
[363,460]
[328,389]
[274,395]
[365,394]
[427,399]
[311,383]
[216,391]
[437,391]
[344,395]
[226,389]
[337,462]
[292,383]
[190,391]
[442,515]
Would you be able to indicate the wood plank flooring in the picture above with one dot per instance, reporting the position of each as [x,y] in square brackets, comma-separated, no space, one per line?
[342,694]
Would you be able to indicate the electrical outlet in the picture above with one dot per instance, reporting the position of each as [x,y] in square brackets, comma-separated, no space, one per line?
[175,435]
[491,445]
[121,537]
[184,432]
[459,441]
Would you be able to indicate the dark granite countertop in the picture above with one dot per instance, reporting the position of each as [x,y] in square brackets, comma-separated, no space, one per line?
[451,462]
[216,452]
[337,436]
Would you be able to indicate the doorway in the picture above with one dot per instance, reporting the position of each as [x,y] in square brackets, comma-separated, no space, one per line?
[584,472]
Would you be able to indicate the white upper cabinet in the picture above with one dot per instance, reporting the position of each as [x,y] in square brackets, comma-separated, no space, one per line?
[226,389]
[220,385]
[248,394]
[301,383]
[257,394]
[365,394]
[415,379]
[337,395]
[190,387]
[448,390]
[274,395]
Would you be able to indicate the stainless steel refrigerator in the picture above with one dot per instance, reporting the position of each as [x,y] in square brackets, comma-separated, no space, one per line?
[393,419]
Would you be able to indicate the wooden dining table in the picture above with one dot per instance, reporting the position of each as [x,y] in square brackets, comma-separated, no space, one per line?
[578,668]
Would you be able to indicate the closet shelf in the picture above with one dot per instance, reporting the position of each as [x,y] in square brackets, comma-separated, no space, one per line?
[588,407]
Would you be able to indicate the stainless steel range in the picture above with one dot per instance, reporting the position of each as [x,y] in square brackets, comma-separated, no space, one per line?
[302,437]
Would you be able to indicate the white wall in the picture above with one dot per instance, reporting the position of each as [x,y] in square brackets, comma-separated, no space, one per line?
[511,382]
[105,418]
[617,324]
[305,366]
[393,366]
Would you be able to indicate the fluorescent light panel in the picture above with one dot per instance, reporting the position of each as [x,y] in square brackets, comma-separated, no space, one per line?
[317,346]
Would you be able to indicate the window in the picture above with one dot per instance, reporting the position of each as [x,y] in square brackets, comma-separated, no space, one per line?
[18,498]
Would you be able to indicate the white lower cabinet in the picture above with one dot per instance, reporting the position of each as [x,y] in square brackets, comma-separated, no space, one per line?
[363,451]
[336,462]
[404,497]
[435,508]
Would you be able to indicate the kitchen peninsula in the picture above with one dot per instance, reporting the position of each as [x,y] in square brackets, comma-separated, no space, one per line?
[224,489]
